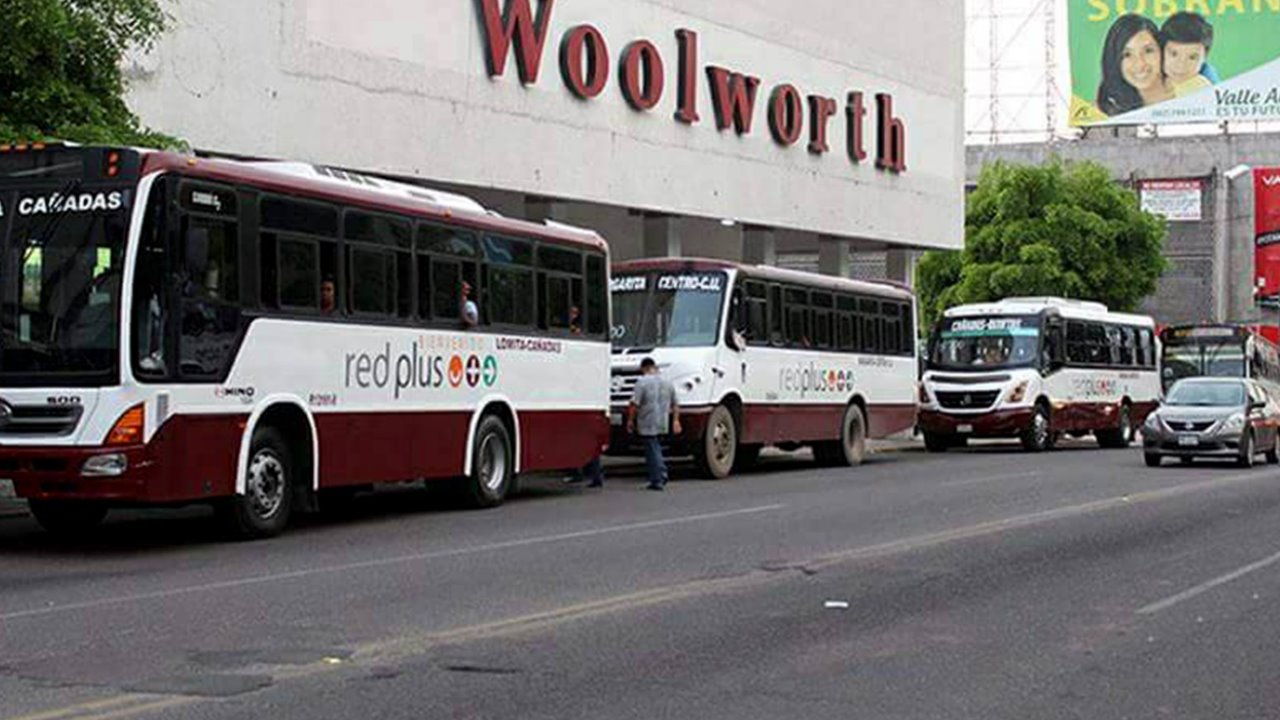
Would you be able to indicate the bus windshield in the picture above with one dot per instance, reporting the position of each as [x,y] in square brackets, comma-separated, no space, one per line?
[1204,359]
[985,343]
[60,283]
[667,309]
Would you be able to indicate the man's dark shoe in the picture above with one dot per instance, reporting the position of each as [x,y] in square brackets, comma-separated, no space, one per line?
[659,488]
[596,484]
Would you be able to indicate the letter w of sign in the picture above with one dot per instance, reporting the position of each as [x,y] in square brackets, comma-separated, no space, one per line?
[734,96]
[515,26]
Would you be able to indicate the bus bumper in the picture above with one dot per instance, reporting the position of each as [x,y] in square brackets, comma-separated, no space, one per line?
[693,424]
[59,473]
[1000,423]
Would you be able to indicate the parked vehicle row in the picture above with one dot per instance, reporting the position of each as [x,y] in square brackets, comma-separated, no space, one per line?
[266,338]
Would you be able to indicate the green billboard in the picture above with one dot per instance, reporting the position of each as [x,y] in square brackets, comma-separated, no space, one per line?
[1137,62]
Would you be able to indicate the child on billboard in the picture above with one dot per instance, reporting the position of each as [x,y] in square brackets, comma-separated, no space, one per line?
[1187,39]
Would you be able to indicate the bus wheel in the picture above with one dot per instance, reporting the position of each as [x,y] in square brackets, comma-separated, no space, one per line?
[851,449]
[938,443]
[492,465]
[264,508]
[67,519]
[716,453]
[1037,437]
[1118,437]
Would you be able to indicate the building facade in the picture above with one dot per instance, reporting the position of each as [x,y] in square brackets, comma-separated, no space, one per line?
[1210,248]
[738,129]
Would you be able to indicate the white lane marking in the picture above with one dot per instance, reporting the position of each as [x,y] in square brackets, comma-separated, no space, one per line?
[383,562]
[1205,587]
[991,478]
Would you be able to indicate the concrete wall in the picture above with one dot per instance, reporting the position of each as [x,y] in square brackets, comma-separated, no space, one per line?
[1212,261]
[401,87]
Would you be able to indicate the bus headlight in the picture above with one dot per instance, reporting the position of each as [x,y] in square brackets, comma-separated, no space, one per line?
[113,465]
[1020,392]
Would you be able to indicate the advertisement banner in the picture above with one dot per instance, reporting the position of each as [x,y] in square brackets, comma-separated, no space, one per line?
[1144,62]
[1266,191]
[1174,200]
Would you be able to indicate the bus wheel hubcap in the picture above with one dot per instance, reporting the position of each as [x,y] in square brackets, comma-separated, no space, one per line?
[493,462]
[267,484]
[721,442]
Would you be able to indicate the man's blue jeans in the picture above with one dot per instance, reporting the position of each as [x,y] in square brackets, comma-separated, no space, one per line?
[654,461]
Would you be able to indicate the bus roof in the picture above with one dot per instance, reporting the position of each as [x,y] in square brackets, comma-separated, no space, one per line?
[768,274]
[323,183]
[1072,309]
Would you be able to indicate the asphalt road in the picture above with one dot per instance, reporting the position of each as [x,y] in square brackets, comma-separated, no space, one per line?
[981,584]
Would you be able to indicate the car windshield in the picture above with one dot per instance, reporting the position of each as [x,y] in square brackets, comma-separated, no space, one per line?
[667,309]
[60,281]
[985,343]
[1206,394]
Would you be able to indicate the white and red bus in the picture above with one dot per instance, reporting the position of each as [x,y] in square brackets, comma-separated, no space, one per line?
[1239,351]
[761,356]
[1036,369]
[251,335]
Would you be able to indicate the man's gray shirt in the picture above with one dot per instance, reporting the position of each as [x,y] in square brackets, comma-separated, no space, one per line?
[653,399]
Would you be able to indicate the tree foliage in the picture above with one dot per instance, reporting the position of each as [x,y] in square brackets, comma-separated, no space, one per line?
[60,69]
[1060,229]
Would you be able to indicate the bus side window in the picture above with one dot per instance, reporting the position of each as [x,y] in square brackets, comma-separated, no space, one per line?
[777,314]
[151,292]
[757,313]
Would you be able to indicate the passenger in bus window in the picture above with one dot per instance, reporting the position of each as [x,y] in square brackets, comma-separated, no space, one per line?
[470,312]
[328,296]
[575,320]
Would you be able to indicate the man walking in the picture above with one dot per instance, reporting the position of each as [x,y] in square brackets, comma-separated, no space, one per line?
[652,406]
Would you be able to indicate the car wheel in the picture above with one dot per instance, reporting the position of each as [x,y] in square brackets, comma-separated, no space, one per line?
[1273,454]
[1152,459]
[1247,451]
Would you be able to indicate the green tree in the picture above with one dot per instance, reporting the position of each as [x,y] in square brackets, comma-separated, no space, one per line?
[1059,229]
[60,70]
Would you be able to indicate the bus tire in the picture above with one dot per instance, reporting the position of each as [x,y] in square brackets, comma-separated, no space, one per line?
[717,450]
[492,465]
[1038,435]
[937,442]
[263,510]
[851,449]
[1119,437]
[67,519]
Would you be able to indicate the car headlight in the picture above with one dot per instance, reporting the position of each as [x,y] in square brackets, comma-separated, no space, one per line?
[1235,423]
[1019,393]
[1153,422]
[924,395]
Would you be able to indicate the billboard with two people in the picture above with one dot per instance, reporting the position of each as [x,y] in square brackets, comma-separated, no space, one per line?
[1140,62]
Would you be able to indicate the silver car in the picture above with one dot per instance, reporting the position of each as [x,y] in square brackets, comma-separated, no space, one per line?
[1214,418]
